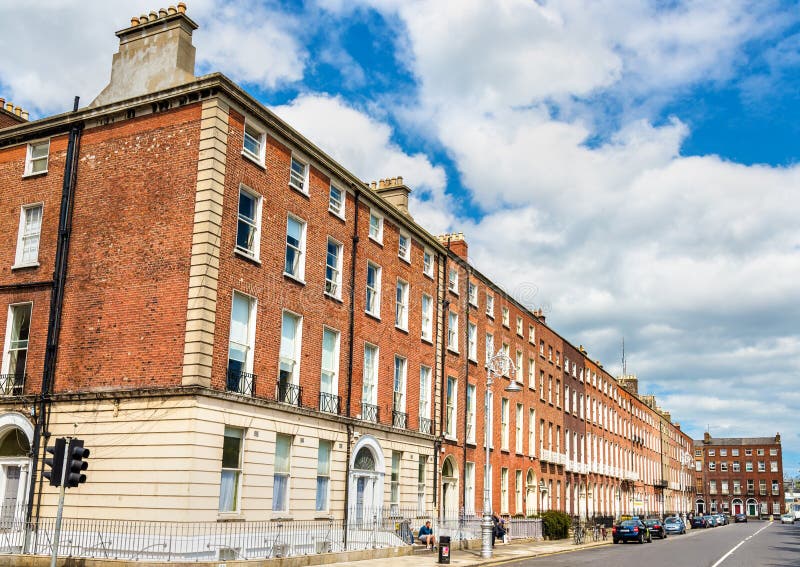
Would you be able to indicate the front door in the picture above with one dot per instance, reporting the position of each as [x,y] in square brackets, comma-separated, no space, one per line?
[751,508]
[7,512]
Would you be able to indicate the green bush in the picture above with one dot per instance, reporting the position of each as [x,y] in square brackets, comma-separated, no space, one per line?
[555,524]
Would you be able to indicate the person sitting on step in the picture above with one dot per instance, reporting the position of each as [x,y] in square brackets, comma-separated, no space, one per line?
[426,535]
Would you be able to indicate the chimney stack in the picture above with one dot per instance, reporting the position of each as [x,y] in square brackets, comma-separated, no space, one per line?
[706,438]
[455,243]
[155,53]
[394,191]
[10,114]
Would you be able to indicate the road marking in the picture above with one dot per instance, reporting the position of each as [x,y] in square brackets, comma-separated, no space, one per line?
[724,557]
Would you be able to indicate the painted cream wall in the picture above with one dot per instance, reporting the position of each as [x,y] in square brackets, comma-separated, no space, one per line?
[159,458]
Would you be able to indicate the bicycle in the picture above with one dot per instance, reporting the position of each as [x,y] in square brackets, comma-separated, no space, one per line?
[578,533]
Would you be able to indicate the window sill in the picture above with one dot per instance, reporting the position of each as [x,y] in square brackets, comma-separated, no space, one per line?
[299,190]
[339,216]
[451,438]
[375,316]
[294,278]
[245,256]
[333,297]
[404,259]
[453,291]
[471,304]
[473,360]
[490,316]
[254,159]
[427,340]
[401,329]
[37,174]
[427,275]
[230,517]
[376,241]
[452,350]
[23,266]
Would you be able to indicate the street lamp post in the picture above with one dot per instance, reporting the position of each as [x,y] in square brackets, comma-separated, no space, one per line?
[498,365]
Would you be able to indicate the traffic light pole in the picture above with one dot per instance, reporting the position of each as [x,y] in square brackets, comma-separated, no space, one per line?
[62,492]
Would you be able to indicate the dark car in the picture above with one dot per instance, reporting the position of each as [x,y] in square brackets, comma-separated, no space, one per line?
[631,530]
[699,522]
[674,525]
[656,528]
[740,518]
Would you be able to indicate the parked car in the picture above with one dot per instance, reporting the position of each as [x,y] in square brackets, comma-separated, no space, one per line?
[787,518]
[631,530]
[738,518]
[674,525]
[720,519]
[711,520]
[699,522]
[656,528]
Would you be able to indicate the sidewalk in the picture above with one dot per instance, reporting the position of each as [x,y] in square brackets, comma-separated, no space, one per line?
[465,557]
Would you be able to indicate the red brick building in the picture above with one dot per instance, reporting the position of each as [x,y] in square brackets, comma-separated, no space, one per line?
[739,475]
[241,329]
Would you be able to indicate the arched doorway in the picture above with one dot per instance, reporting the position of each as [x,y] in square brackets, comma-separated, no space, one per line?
[738,507]
[700,506]
[367,470]
[752,507]
[530,493]
[16,434]
[450,488]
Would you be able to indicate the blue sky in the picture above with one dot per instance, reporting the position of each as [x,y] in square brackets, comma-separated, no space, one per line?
[631,167]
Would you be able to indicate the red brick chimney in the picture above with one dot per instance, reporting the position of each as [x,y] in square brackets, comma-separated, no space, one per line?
[455,243]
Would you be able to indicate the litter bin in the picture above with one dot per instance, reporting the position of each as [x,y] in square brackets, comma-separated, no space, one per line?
[444,549]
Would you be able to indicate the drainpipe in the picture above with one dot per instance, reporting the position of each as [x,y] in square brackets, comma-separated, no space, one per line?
[466,387]
[41,429]
[351,348]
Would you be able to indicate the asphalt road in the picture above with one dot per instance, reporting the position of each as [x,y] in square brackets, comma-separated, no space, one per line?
[754,544]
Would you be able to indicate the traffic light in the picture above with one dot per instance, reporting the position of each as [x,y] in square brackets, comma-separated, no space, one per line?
[56,464]
[76,464]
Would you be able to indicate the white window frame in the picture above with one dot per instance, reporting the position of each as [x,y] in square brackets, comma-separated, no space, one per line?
[531,334]
[249,346]
[489,347]
[472,294]
[375,291]
[451,408]
[505,406]
[23,235]
[520,330]
[490,305]
[300,249]
[452,331]
[29,159]
[288,473]
[323,476]
[333,285]
[235,471]
[532,373]
[471,412]
[376,231]
[333,371]
[503,490]
[369,385]
[469,488]
[425,391]
[506,318]
[291,359]
[254,252]
[401,305]
[519,417]
[531,432]
[260,137]
[339,210]
[299,180]
[472,341]
[427,262]
[426,306]
[452,280]
[8,348]
[399,383]
[404,253]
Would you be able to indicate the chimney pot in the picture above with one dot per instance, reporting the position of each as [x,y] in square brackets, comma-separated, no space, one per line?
[143,19]
[17,111]
[2,102]
[153,16]
[162,12]
[10,107]
[25,115]
[399,180]
[134,21]
[182,7]
[373,185]
[172,10]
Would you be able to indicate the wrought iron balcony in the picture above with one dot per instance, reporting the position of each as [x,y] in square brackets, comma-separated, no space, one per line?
[329,403]
[425,425]
[369,412]
[399,419]
[289,393]
[12,384]
[240,382]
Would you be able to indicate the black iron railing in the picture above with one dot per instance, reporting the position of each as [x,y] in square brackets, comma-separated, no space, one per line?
[369,412]
[12,384]
[240,382]
[289,394]
[399,419]
[329,403]
[425,425]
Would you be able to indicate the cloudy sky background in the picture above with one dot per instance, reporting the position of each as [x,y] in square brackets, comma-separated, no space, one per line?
[631,167]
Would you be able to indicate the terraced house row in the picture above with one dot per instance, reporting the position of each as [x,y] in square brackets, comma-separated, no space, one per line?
[240,328]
